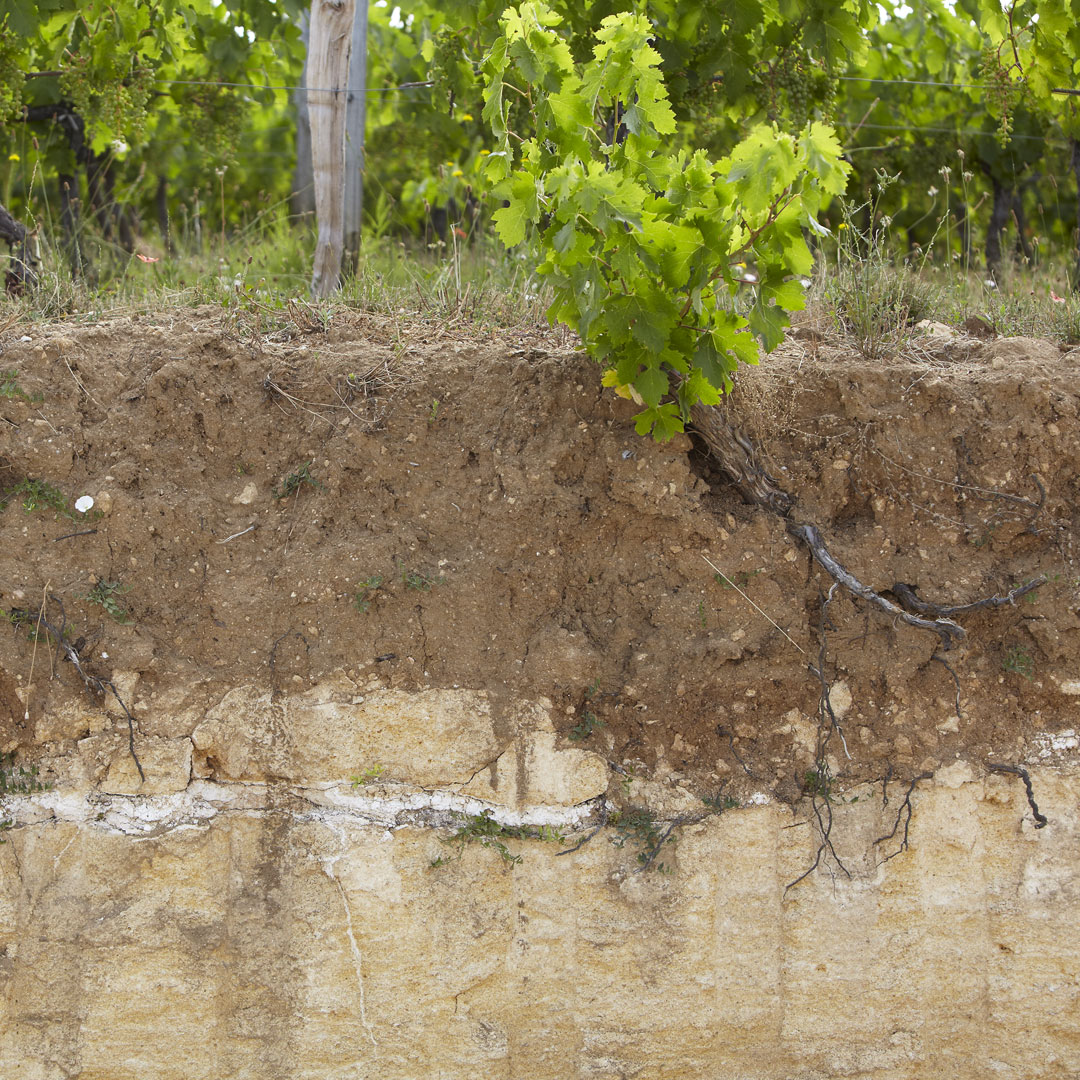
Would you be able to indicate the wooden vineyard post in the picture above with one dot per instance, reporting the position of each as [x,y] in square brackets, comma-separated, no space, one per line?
[327,79]
[303,189]
[354,136]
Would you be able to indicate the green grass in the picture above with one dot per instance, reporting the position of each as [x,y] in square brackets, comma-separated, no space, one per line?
[874,292]
[868,289]
[262,275]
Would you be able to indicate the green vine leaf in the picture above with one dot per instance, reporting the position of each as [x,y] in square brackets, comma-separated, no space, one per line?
[520,192]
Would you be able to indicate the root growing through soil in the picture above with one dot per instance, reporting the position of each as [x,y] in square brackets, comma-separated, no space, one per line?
[1041,820]
[819,780]
[739,458]
[65,651]
[904,813]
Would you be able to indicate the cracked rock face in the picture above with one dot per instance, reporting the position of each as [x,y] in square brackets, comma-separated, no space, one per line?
[435,738]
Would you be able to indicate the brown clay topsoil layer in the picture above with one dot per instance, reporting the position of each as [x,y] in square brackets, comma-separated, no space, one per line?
[442,508]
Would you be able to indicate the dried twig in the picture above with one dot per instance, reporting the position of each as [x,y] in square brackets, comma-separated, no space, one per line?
[79,383]
[987,493]
[243,532]
[824,702]
[752,604]
[33,654]
[275,390]
[94,684]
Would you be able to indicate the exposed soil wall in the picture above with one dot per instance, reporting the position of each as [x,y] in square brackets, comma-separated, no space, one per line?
[446,564]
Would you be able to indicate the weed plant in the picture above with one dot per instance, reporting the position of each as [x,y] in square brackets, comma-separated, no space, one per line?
[719,803]
[104,594]
[370,775]
[18,779]
[589,720]
[296,480]
[1017,661]
[37,495]
[638,826]
[364,591]
[10,388]
[417,580]
[484,830]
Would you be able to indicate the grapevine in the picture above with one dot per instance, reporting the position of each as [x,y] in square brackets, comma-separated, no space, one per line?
[641,245]
[970,75]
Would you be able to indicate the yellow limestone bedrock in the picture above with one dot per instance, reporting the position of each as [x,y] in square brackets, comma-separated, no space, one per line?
[269,935]
[268,943]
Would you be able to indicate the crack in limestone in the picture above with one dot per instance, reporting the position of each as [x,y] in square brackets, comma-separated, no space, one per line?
[331,804]
[358,958]
[63,851]
[458,784]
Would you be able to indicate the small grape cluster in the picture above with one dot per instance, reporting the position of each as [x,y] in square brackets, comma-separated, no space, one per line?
[791,76]
[797,88]
[115,97]
[1001,90]
[449,68]
[826,87]
[12,77]
[217,117]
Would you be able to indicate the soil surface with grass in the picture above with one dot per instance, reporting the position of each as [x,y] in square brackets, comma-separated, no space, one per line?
[443,507]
